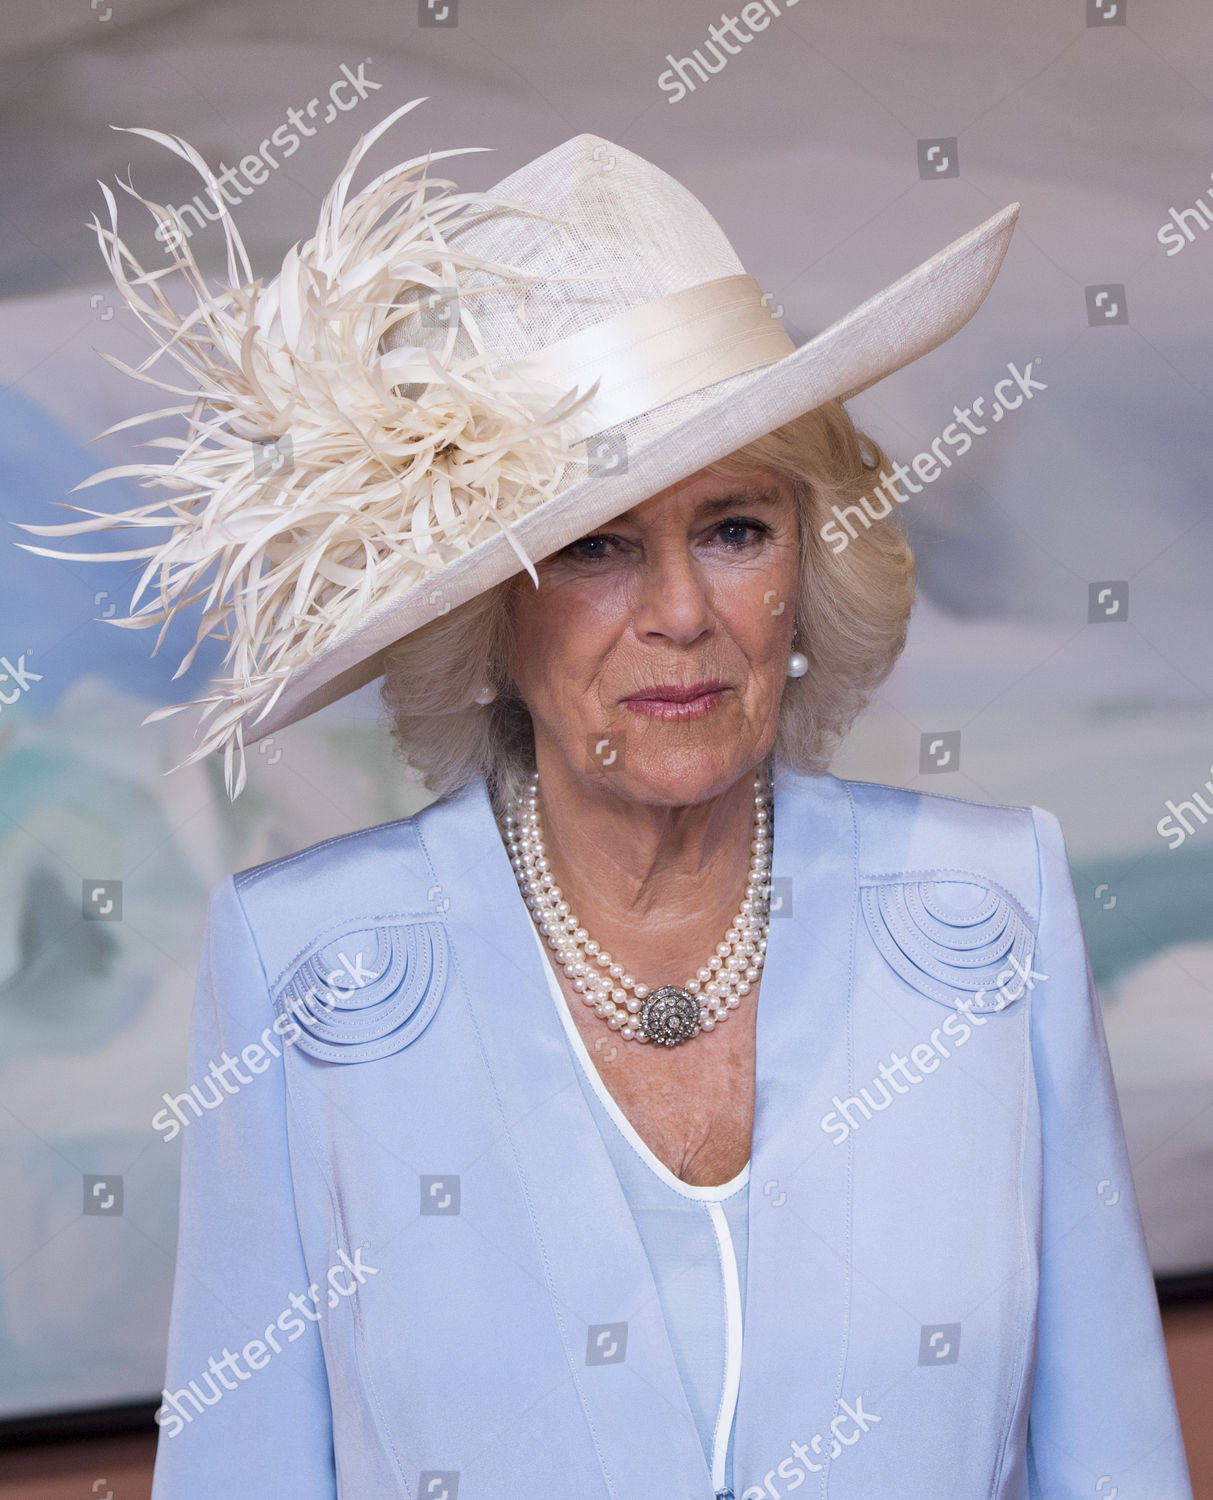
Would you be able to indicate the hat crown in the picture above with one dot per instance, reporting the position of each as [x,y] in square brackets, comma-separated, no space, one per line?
[621,220]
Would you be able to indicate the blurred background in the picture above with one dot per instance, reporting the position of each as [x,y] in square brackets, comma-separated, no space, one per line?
[1061,652]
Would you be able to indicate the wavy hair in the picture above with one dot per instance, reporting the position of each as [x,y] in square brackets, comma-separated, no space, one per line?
[852,613]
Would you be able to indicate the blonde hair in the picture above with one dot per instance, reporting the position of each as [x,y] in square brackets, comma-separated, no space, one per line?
[852,613]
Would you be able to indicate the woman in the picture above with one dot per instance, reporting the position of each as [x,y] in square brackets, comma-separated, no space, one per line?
[654,1114]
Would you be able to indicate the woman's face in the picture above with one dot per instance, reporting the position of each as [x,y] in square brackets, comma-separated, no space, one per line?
[654,652]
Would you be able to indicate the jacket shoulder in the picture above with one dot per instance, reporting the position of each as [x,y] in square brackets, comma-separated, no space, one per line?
[370,878]
[350,935]
[329,861]
[908,835]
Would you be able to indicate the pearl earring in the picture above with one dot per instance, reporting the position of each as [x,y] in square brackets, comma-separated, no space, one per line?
[485,694]
[798,662]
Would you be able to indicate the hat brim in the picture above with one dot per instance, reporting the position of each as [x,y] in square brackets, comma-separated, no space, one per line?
[887,332]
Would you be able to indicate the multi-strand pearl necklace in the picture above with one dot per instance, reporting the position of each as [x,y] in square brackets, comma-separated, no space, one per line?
[670,1014]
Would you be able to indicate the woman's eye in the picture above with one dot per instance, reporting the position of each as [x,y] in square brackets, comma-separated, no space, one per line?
[590,548]
[737,533]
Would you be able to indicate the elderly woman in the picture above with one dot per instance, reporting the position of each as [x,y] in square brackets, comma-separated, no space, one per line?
[654,1114]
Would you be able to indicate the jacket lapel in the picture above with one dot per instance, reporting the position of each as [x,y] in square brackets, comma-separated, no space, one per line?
[622,1377]
[797,1286]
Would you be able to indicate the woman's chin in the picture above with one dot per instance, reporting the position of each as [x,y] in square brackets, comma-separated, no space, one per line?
[677,776]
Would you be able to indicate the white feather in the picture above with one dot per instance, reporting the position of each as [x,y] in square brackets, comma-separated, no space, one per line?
[380,490]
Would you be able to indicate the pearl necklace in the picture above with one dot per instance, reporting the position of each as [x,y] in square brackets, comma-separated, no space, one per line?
[670,1014]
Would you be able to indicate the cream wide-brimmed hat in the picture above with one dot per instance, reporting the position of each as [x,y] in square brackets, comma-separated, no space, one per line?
[440,389]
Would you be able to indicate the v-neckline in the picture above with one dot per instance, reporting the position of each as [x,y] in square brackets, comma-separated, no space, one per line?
[801,1227]
[704,1193]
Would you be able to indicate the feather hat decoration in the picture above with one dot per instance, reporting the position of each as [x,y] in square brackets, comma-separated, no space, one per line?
[313,478]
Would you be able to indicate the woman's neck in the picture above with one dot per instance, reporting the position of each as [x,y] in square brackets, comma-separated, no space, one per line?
[657,885]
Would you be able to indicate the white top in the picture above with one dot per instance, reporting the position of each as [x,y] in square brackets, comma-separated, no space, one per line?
[696,1240]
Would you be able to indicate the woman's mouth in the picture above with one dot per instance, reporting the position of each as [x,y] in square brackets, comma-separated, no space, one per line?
[672,701]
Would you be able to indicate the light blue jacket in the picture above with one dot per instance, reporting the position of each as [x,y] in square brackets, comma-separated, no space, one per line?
[407,1269]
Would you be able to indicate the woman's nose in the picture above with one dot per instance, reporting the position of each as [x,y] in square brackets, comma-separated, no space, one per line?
[671,597]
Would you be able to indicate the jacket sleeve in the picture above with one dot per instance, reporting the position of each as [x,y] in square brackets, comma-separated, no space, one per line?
[1103,1418]
[245,1411]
